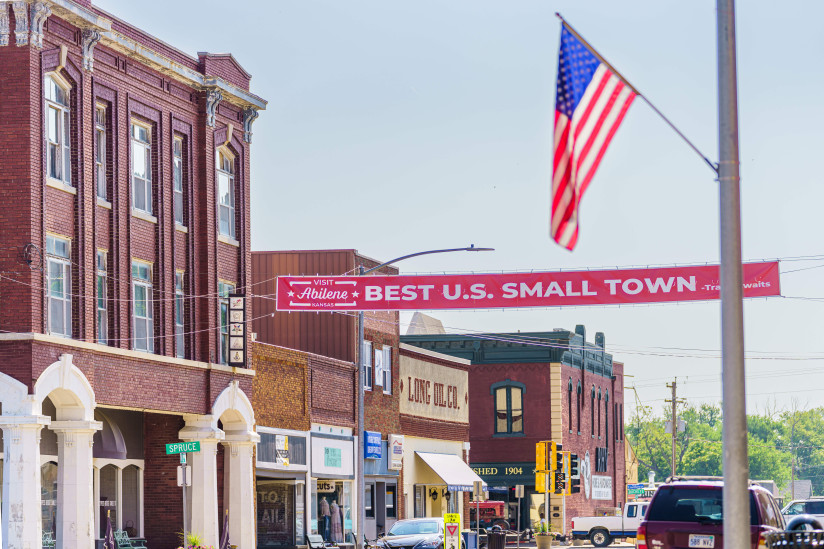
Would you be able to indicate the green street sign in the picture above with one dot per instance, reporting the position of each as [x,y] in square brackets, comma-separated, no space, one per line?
[180,447]
[636,491]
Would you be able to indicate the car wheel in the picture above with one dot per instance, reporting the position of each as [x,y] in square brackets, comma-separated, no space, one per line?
[501,523]
[600,537]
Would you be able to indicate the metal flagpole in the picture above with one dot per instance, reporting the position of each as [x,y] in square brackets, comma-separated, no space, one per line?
[736,506]
[635,90]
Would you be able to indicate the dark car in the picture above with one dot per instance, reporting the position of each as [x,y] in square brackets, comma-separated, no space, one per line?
[688,514]
[421,533]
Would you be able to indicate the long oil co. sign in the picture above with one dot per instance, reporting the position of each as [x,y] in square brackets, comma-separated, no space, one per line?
[487,291]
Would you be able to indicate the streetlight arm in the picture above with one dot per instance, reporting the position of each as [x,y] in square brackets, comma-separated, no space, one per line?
[471,248]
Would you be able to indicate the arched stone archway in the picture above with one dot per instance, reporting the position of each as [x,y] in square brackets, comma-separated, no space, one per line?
[233,409]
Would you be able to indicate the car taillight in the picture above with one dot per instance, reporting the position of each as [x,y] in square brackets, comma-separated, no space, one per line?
[641,537]
[572,524]
[762,538]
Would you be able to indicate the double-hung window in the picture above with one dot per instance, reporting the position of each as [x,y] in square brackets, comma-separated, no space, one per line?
[224,289]
[180,340]
[102,300]
[509,409]
[142,305]
[366,365]
[177,175]
[59,274]
[387,370]
[58,131]
[100,151]
[141,167]
[226,192]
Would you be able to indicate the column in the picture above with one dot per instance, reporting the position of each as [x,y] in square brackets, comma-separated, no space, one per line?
[75,476]
[204,517]
[239,488]
[21,481]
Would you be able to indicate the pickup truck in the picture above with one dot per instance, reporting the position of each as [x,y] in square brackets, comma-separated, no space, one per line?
[602,530]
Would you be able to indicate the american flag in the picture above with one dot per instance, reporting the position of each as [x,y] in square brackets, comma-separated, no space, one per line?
[590,103]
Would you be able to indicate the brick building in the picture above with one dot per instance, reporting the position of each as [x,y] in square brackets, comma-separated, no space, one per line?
[306,411]
[529,387]
[434,390]
[125,224]
[334,335]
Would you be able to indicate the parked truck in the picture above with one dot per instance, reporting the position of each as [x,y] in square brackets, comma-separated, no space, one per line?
[602,530]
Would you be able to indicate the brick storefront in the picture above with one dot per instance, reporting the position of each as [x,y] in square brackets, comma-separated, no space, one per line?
[523,387]
[114,247]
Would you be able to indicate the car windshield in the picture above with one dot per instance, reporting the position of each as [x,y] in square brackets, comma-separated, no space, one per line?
[687,504]
[403,528]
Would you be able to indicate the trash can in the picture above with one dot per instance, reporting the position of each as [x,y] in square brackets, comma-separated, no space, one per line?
[544,541]
[495,540]
[470,539]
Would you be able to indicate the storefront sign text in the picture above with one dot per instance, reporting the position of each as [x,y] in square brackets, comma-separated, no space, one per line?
[548,289]
[601,487]
[372,450]
[326,486]
[395,452]
[332,457]
[433,391]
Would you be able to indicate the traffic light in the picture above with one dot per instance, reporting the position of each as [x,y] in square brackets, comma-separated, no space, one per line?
[559,484]
[540,456]
[558,457]
[574,474]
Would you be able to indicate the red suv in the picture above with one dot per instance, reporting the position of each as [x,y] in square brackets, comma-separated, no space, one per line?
[687,514]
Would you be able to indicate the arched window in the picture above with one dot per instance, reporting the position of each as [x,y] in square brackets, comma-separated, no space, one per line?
[569,403]
[48,498]
[226,192]
[592,412]
[58,130]
[578,405]
[509,408]
[606,418]
[599,412]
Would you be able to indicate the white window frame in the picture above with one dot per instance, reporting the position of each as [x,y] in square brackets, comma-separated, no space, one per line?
[62,261]
[224,288]
[180,318]
[387,370]
[366,367]
[225,168]
[146,183]
[102,298]
[177,178]
[148,318]
[100,115]
[378,362]
[120,466]
[59,151]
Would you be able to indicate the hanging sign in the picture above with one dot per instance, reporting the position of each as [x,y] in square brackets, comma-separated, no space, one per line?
[372,450]
[237,330]
[493,291]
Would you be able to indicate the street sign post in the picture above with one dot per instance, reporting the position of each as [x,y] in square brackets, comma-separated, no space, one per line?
[452,531]
[183,478]
[519,493]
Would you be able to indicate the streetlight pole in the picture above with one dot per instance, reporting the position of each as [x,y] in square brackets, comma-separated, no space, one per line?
[361,426]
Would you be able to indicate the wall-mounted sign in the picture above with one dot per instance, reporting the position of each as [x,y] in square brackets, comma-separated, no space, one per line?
[332,457]
[485,291]
[372,450]
[282,450]
[433,391]
[237,330]
[326,486]
[601,487]
[395,452]
[506,474]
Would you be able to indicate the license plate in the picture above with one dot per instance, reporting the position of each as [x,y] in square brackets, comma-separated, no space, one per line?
[702,542]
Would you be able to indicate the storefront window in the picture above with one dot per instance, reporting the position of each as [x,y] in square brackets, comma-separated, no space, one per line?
[48,497]
[333,510]
[391,501]
[108,496]
[420,501]
[275,513]
[369,500]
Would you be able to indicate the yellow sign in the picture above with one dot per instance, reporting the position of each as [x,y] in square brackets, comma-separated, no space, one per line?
[452,518]
[553,450]
[540,482]
[540,456]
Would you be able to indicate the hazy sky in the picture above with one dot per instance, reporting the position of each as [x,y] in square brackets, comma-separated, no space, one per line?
[399,126]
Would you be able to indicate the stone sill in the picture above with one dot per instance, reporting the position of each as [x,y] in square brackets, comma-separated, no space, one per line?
[60,186]
[140,214]
[228,240]
[103,203]
[181,228]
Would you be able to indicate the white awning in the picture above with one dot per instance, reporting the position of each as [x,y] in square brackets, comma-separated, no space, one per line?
[456,474]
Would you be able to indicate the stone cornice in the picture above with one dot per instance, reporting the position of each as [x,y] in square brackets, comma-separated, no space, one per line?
[85,18]
[124,353]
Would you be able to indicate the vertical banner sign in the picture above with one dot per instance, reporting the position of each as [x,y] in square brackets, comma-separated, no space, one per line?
[372,450]
[395,452]
[237,330]
[452,531]
[507,290]
[282,450]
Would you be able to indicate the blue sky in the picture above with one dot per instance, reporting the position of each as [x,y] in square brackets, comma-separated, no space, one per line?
[396,126]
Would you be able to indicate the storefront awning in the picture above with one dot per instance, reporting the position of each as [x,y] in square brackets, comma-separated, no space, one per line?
[456,474]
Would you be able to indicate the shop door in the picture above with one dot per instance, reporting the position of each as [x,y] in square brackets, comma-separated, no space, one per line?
[275,514]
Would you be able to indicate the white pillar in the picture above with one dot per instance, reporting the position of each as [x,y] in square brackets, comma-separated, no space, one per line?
[204,516]
[75,477]
[239,488]
[21,481]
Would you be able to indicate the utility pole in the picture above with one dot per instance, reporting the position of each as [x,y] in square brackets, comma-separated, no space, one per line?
[674,419]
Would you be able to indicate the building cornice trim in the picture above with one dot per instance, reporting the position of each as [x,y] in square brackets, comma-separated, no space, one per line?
[126,353]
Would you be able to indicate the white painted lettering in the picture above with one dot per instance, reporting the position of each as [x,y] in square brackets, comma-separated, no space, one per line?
[682,283]
[510,290]
[373,293]
[612,284]
[632,286]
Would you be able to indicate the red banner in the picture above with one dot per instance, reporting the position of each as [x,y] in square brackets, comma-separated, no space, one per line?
[494,291]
